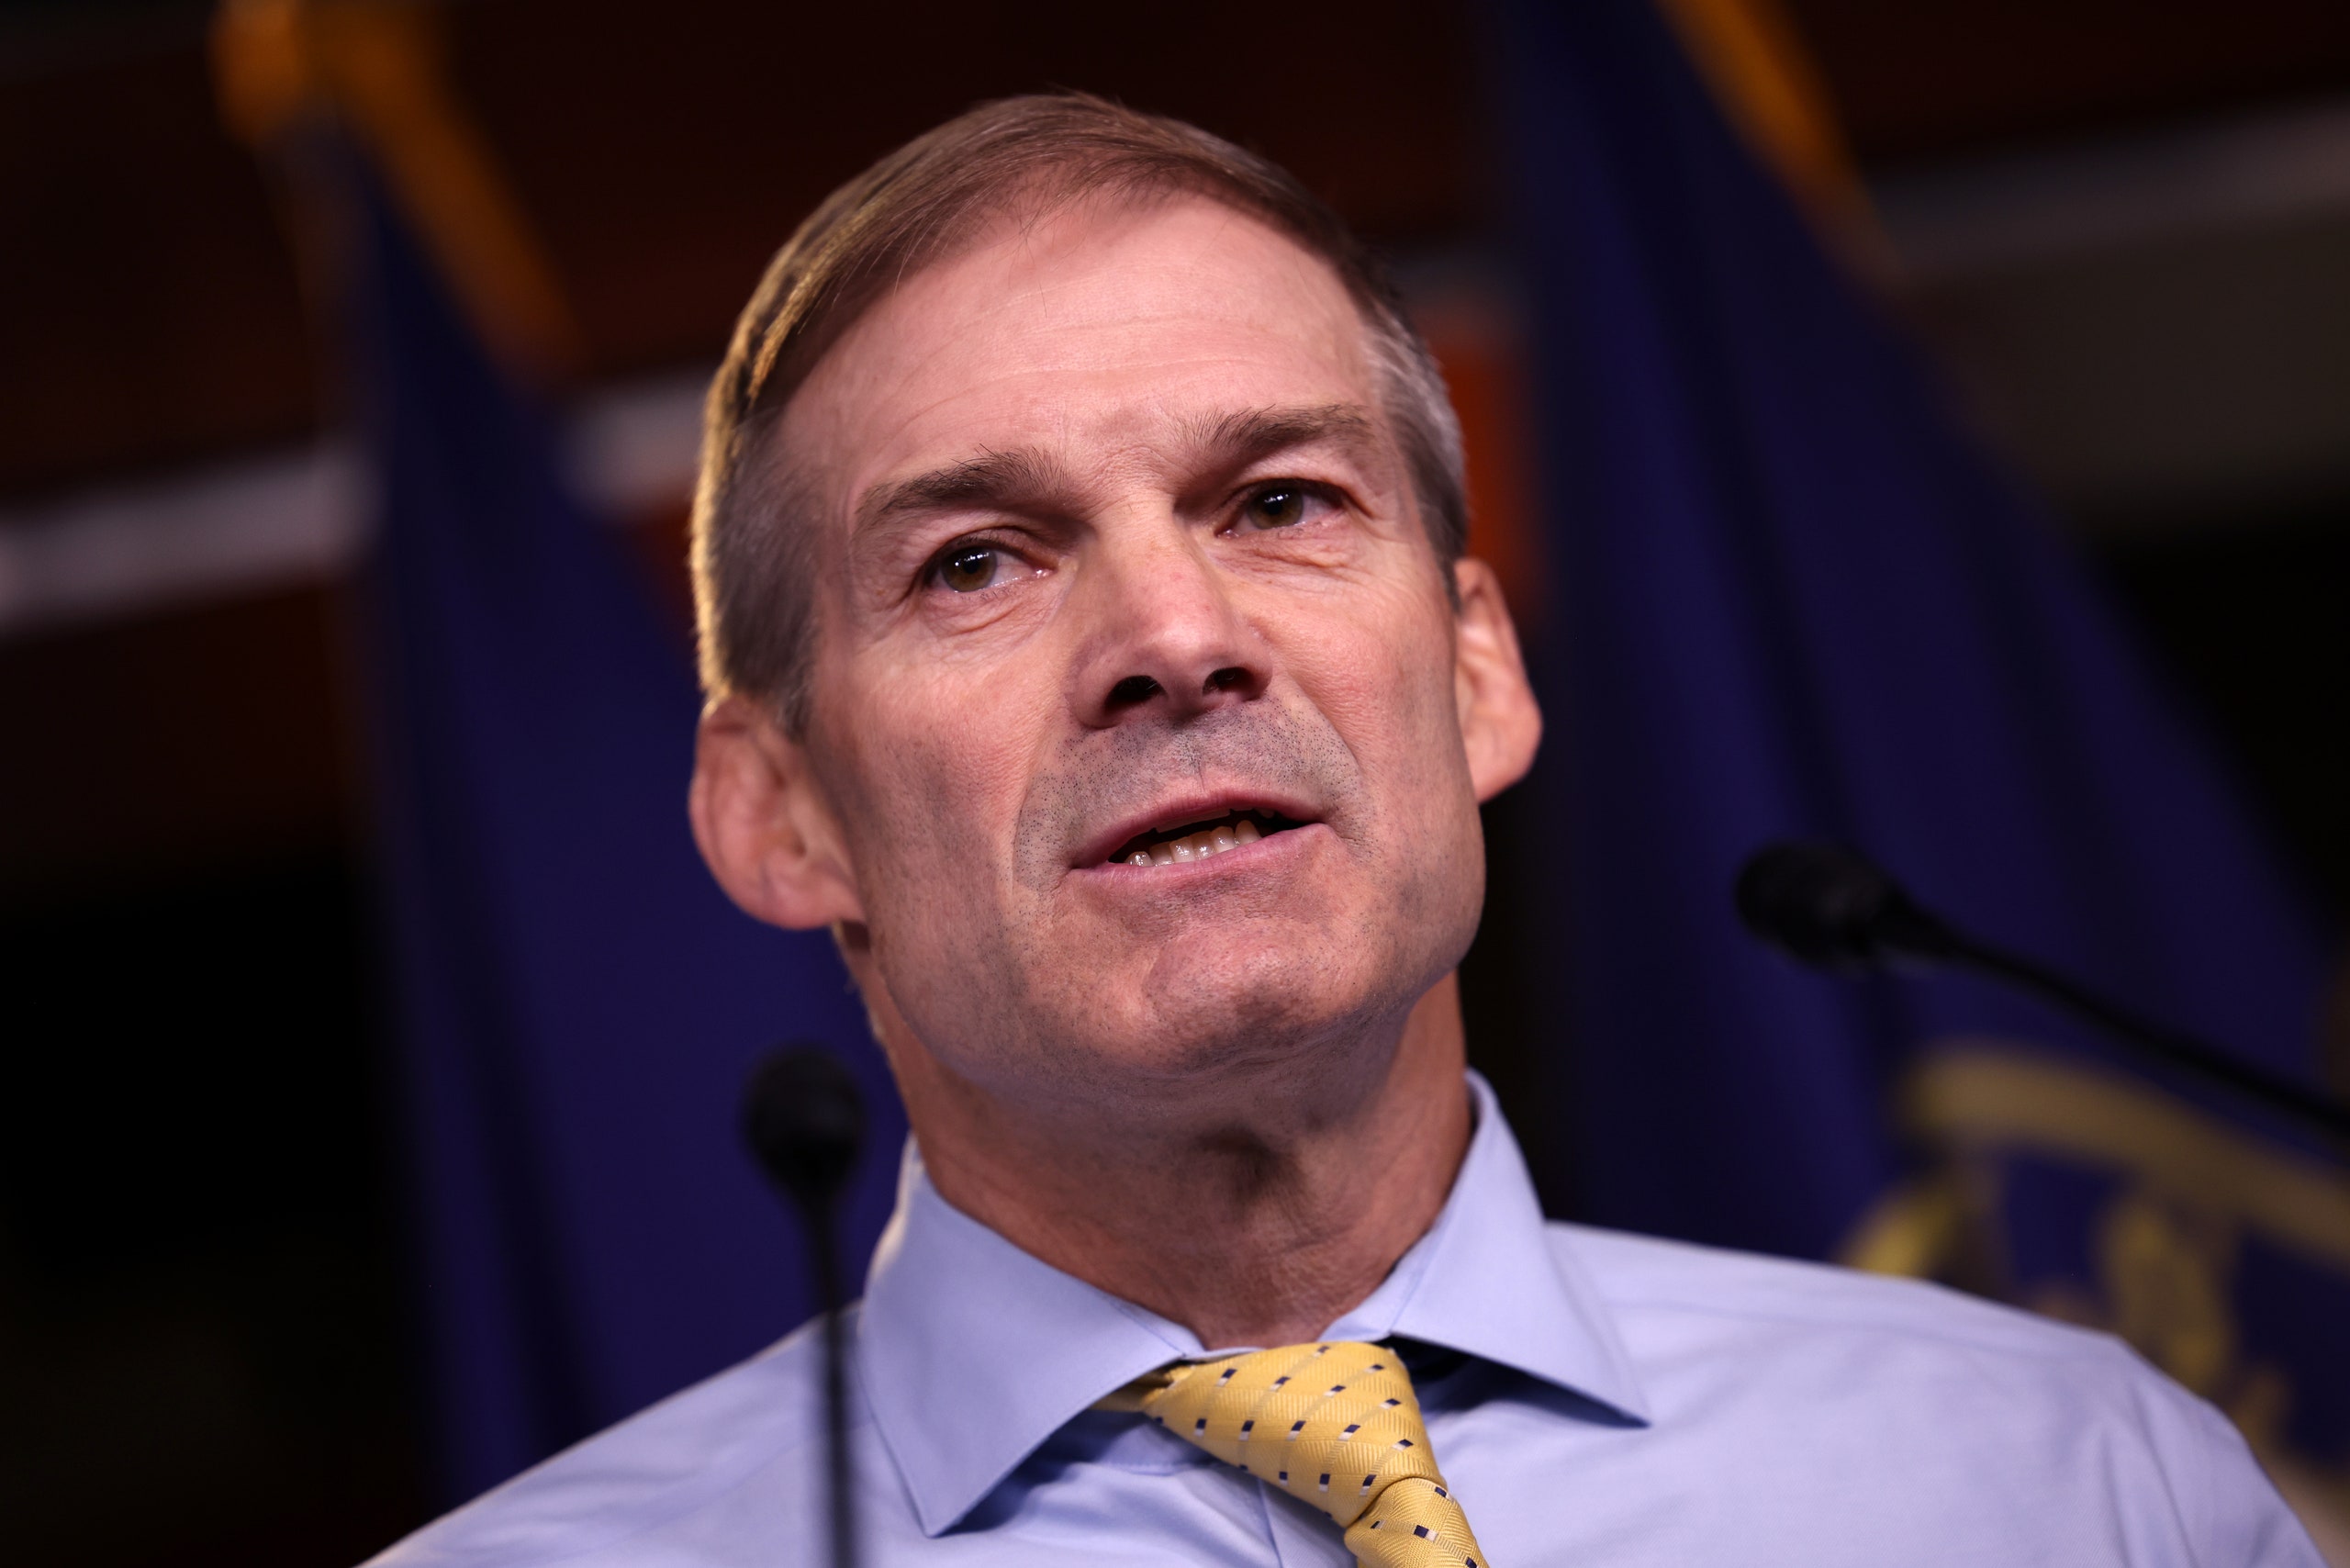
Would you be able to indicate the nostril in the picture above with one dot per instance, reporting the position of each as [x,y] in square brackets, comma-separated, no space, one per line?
[1230,677]
[1133,691]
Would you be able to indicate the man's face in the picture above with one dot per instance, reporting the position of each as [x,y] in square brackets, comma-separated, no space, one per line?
[1118,560]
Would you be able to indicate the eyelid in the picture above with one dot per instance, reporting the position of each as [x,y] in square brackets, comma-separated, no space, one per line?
[1323,490]
[934,563]
[1328,490]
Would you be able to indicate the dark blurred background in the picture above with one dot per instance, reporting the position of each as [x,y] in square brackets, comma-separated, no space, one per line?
[2124,224]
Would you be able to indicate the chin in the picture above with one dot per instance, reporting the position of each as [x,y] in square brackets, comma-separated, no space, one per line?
[1255,1008]
[1214,1004]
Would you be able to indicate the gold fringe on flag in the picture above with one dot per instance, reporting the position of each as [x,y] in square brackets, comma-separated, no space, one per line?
[1750,55]
[377,69]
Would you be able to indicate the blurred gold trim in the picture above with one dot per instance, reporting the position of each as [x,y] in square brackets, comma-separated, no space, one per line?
[379,68]
[1989,1096]
[1749,51]
[1910,1231]
[1750,55]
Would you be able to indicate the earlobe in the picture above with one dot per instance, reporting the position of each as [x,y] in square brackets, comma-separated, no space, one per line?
[1500,725]
[763,824]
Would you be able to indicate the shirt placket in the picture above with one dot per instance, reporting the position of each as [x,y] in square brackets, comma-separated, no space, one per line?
[1300,1536]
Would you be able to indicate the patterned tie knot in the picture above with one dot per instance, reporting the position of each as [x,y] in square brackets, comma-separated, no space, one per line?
[1334,1424]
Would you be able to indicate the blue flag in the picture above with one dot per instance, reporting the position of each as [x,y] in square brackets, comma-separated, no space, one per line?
[579,1003]
[1788,599]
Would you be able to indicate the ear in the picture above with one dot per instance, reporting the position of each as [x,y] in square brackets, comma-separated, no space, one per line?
[765,826]
[1500,723]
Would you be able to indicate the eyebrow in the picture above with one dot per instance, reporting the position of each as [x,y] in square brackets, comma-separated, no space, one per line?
[1237,440]
[1026,479]
[1006,480]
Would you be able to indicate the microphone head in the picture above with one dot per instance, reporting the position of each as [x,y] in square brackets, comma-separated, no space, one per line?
[803,1118]
[1830,906]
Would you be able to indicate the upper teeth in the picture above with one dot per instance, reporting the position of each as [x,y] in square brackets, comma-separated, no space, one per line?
[1198,845]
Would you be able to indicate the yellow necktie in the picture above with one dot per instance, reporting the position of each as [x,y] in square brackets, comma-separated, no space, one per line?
[1336,1425]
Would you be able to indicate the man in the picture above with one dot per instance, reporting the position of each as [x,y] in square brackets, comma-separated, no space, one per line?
[1089,647]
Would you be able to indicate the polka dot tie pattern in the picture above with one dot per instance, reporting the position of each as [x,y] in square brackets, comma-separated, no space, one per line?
[1336,1425]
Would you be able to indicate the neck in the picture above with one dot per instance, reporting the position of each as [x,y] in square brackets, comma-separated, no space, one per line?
[1259,1226]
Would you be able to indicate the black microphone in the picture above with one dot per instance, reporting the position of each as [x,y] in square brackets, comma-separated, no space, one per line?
[1834,907]
[1830,908]
[804,1119]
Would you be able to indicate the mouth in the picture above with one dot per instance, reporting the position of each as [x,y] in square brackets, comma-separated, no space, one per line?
[1202,838]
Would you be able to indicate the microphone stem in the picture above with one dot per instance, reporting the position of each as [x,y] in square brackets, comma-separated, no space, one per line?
[2180,1050]
[838,1480]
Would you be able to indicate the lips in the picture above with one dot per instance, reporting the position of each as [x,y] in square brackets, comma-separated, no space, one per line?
[1196,830]
[1203,840]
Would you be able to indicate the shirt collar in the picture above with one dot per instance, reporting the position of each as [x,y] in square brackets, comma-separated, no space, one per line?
[972,1352]
[1487,1280]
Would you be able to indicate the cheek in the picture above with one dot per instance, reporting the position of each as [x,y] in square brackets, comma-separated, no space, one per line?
[935,769]
[1382,674]
[1384,679]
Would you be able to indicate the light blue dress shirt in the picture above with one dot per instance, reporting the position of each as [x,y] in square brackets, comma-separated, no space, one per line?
[1594,1399]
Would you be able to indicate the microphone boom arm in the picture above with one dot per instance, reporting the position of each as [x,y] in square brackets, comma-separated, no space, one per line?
[2183,1051]
[1832,907]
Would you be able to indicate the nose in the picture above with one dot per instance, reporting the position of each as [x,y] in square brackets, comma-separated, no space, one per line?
[1162,634]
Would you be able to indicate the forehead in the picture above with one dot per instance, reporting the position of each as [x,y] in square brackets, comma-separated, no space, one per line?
[1090,331]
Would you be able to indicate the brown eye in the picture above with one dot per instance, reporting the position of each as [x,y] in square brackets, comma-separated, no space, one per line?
[968,568]
[1281,506]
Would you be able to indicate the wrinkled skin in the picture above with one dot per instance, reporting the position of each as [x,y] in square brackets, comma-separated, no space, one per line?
[1112,535]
